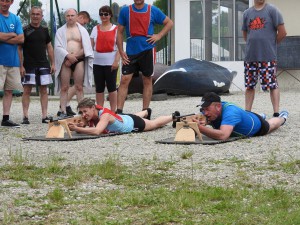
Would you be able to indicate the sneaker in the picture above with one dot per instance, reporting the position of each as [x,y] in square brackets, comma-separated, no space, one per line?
[175,119]
[63,116]
[25,120]
[263,116]
[284,114]
[47,119]
[149,111]
[9,123]
[69,111]
[119,111]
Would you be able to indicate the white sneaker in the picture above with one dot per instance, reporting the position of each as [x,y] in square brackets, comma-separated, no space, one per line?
[284,114]
[263,116]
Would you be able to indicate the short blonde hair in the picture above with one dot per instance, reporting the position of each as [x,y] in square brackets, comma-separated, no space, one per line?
[86,102]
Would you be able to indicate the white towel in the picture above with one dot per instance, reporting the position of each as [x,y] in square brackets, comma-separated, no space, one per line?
[60,53]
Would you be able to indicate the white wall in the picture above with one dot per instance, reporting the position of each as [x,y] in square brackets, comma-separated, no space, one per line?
[182,29]
[238,81]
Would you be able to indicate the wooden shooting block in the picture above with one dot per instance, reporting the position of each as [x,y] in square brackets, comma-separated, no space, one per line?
[56,129]
[185,131]
[195,117]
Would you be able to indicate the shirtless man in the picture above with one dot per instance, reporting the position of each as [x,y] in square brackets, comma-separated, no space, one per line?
[83,18]
[71,53]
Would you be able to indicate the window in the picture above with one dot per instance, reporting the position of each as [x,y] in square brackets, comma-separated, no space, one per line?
[216,29]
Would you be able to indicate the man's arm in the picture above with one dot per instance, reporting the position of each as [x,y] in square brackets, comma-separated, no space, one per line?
[120,44]
[281,33]
[4,37]
[19,39]
[168,24]
[51,57]
[219,134]
[20,53]
[245,35]
[115,64]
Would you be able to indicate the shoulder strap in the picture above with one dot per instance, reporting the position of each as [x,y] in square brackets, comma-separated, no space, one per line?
[106,110]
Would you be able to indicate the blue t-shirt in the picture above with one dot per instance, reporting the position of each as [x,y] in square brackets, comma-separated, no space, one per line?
[125,126]
[244,122]
[139,44]
[9,53]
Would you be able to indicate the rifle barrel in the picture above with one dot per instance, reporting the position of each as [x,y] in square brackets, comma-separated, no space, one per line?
[192,114]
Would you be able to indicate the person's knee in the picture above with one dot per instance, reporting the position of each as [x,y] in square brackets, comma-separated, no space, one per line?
[147,80]
[125,80]
[8,92]
[43,90]
[64,88]
[79,88]
[26,90]
[111,88]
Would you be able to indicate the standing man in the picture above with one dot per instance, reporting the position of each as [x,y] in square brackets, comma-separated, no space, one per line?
[263,28]
[83,18]
[36,69]
[11,34]
[73,57]
[139,19]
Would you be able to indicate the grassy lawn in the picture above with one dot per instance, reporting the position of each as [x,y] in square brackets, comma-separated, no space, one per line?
[110,192]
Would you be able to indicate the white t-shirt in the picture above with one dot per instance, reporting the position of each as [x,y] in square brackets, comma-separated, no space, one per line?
[107,58]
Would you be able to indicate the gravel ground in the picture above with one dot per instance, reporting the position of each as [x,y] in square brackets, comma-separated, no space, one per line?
[212,164]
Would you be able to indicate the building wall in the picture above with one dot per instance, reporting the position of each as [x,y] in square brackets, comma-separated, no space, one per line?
[290,13]
[288,79]
[182,29]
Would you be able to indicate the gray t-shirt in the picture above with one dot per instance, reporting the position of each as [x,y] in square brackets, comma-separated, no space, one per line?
[261,26]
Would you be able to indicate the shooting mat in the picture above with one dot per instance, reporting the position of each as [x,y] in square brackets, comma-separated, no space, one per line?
[206,141]
[75,137]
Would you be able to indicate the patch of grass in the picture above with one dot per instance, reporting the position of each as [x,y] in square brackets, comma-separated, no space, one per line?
[187,154]
[8,217]
[236,160]
[57,195]
[144,193]
[292,167]
[272,160]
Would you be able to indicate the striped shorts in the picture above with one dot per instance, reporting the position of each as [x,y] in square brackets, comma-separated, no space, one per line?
[37,76]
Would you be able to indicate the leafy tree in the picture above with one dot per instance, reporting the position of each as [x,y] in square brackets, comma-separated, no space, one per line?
[163,6]
[90,25]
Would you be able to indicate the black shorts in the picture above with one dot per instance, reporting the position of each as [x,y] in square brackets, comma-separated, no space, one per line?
[103,75]
[265,126]
[138,123]
[143,62]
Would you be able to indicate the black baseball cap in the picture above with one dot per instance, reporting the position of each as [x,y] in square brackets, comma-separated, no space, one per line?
[208,98]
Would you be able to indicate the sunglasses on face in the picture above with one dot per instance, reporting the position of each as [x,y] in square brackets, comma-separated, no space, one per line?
[104,14]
